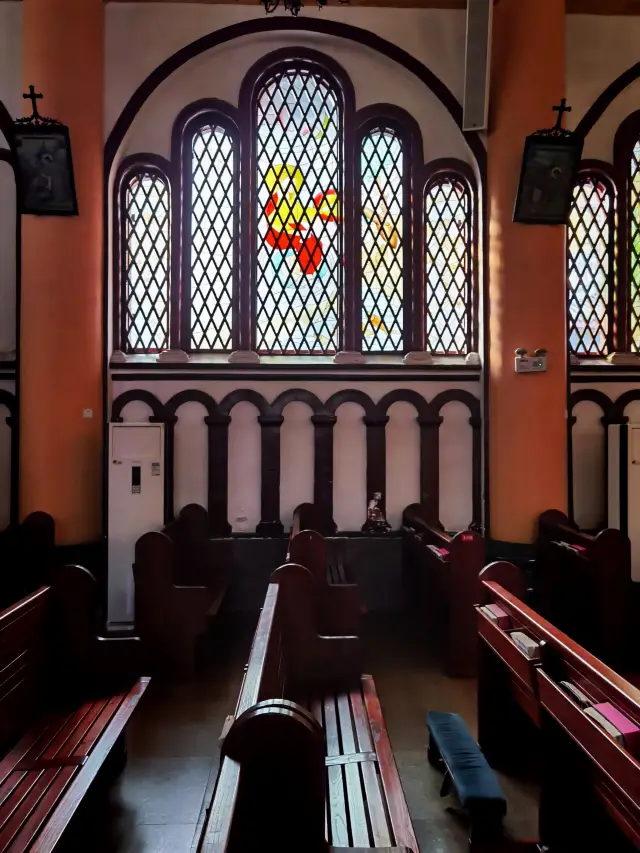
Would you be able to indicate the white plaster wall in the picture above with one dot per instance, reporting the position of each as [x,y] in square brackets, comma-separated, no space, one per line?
[434,36]
[10,59]
[599,49]
[589,476]
[297,454]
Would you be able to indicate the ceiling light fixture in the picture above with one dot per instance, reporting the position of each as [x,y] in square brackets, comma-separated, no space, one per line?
[294,6]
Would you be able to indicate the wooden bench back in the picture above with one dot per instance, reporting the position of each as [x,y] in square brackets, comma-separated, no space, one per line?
[273,762]
[585,592]
[189,532]
[308,516]
[445,572]
[288,660]
[153,570]
[25,649]
[26,556]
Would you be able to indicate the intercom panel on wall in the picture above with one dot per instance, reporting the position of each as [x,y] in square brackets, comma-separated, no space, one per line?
[623,482]
[136,506]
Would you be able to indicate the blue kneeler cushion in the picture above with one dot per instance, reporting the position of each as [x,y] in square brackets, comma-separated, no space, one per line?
[453,749]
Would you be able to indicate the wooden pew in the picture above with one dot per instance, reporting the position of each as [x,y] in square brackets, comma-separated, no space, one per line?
[441,574]
[339,606]
[308,517]
[590,784]
[169,618]
[584,587]
[26,556]
[63,710]
[178,591]
[508,704]
[365,806]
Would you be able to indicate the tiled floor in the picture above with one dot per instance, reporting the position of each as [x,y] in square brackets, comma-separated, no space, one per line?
[154,805]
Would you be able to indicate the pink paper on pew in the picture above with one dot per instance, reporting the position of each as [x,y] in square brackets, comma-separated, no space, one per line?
[625,726]
[442,552]
[502,619]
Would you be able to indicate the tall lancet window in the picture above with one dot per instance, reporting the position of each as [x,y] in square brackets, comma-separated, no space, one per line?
[299,266]
[213,237]
[145,260]
[590,266]
[448,264]
[384,209]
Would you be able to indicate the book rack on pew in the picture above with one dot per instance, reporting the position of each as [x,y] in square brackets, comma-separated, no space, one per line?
[589,770]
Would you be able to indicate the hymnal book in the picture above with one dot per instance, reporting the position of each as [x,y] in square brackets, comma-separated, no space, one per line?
[497,615]
[604,724]
[440,553]
[577,549]
[628,729]
[525,644]
[577,695]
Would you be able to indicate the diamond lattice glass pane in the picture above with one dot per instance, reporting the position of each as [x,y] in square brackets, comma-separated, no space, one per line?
[382,191]
[634,249]
[213,238]
[299,272]
[448,261]
[589,267]
[146,263]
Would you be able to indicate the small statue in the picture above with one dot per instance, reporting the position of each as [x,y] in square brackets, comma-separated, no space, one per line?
[376,521]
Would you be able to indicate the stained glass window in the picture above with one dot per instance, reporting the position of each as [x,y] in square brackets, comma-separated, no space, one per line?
[294,222]
[382,230]
[448,259]
[299,269]
[145,258]
[634,249]
[213,255]
[589,273]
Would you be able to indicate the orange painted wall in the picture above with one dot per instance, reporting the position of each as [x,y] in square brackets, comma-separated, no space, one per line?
[527,413]
[61,299]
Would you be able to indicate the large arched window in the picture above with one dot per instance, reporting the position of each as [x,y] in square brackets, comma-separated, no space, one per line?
[297,227]
[590,265]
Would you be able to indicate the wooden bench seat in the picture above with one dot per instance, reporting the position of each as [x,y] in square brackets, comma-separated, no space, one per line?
[63,711]
[365,803]
[290,662]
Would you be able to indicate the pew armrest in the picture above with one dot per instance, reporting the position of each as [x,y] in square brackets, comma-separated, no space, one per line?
[118,658]
[339,660]
[193,603]
[343,607]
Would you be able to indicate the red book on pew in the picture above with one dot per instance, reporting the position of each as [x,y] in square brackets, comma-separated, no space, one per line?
[499,616]
[628,729]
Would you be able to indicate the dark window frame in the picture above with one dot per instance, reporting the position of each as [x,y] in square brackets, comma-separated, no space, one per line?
[239,121]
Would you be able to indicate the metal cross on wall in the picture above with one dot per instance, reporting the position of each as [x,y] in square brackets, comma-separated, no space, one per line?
[561,110]
[34,97]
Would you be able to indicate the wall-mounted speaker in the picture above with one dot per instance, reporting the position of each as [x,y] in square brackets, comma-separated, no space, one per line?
[477,64]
